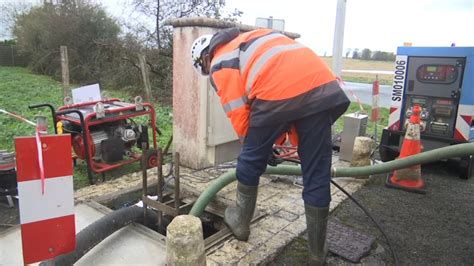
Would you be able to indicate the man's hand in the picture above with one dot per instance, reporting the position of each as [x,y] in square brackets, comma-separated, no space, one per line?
[273,159]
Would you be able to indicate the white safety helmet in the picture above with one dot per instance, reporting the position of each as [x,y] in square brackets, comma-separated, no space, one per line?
[199,45]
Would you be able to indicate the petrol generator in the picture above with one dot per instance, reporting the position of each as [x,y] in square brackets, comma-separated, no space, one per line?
[105,134]
[441,81]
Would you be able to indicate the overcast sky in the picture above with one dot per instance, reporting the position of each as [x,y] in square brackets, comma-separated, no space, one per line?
[374,24]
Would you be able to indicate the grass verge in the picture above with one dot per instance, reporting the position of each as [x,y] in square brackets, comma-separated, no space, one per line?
[19,88]
[354,107]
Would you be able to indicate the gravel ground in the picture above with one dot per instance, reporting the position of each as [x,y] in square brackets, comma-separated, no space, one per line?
[432,229]
[8,216]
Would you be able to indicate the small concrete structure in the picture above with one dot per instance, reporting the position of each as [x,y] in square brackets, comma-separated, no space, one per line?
[355,125]
[202,134]
[363,147]
[185,242]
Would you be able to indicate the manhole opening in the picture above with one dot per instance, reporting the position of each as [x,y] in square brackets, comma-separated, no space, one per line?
[212,223]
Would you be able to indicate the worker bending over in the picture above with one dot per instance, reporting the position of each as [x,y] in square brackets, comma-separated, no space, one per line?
[269,84]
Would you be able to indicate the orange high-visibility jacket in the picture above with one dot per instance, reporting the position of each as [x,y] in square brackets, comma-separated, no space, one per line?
[263,78]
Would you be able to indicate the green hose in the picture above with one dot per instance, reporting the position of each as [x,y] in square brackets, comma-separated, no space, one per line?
[459,150]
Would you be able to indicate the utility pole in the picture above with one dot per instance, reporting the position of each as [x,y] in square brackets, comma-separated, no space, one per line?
[145,76]
[65,70]
[338,37]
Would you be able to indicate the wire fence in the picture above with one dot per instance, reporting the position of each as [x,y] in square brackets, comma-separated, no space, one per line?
[9,56]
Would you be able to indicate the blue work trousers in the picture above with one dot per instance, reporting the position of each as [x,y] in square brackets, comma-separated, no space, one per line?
[314,150]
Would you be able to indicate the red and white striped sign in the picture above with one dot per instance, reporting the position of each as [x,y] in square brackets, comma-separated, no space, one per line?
[47,219]
[464,122]
[375,101]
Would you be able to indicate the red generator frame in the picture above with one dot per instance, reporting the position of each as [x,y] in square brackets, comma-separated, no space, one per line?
[86,115]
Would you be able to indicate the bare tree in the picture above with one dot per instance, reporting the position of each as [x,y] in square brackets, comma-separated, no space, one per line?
[162,10]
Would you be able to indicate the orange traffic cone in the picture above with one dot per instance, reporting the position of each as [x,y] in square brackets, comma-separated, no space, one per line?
[409,179]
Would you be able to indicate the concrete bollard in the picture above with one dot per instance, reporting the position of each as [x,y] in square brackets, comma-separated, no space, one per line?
[361,153]
[185,241]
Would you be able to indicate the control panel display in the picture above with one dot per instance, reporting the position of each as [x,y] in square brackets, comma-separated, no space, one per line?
[437,73]
[419,101]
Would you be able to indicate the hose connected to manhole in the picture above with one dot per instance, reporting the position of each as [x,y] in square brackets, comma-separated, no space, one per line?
[459,150]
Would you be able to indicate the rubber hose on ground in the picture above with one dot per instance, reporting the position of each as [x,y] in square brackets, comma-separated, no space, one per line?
[99,230]
[459,150]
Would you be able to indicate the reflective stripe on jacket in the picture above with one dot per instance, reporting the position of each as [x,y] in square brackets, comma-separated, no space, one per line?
[263,77]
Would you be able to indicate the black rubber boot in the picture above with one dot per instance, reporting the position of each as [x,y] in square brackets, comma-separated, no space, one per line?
[238,218]
[316,222]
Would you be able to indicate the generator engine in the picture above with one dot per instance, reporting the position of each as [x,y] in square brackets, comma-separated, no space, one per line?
[103,133]
[109,142]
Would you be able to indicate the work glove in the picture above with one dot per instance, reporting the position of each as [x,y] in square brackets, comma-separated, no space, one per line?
[273,159]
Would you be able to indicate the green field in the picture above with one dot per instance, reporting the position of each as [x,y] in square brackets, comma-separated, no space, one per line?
[357,64]
[19,88]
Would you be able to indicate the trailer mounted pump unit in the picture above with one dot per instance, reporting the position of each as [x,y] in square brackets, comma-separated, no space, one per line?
[441,81]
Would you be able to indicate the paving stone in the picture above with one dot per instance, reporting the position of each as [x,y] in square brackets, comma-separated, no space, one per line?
[229,189]
[223,258]
[272,224]
[297,227]
[338,197]
[268,251]
[286,215]
[277,202]
[288,189]
[265,192]
[280,240]
[333,205]
[236,248]
[258,236]
[264,180]
[259,256]
[334,189]
[296,207]
[268,207]
[210,262]
[343,182]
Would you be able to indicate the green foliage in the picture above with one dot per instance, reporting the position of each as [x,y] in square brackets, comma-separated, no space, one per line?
[383,56]
[8,42]
[366,54]
[157,42]
[19,88]
[356,54]
[83,27]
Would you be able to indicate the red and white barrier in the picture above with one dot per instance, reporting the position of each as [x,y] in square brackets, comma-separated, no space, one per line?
[342,84]
[46,209]
[375,115]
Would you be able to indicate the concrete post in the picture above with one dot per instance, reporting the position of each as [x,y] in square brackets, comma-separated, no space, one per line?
[361,153]
[185,242]
[202,133]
